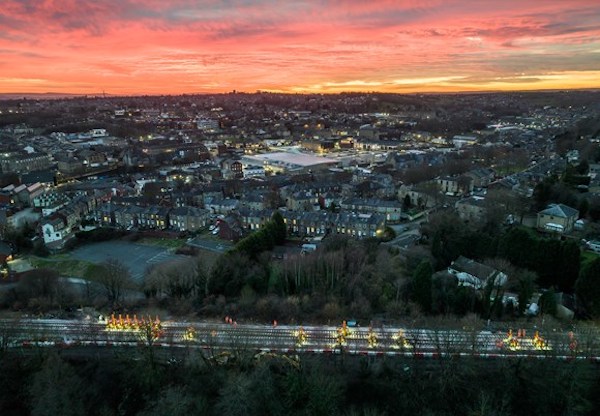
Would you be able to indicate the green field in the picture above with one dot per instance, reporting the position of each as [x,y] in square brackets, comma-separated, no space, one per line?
[588,256]
[62,263]
[162,242]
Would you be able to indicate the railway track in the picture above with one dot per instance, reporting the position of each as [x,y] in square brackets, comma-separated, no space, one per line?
[385,341]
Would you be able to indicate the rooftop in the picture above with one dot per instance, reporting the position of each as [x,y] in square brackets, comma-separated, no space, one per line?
[560,210]
[300,160]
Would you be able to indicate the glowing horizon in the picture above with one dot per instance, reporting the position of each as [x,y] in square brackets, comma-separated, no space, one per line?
[137,47]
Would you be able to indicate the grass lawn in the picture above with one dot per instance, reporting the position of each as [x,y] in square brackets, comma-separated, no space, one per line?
[588,256]
[162,242]
[66,266]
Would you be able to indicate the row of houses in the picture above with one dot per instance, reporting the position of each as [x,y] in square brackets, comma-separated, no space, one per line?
[21,195]
[359,217]
[391,210]
[58,227]
[245,220]
[321,223]
[185,218]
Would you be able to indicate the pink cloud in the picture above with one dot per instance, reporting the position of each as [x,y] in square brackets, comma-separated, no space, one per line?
[135,46]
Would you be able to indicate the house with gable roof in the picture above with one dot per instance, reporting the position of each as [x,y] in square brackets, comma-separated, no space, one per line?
[55,230]
[230,228]
[472,208]
[475,274]
[222,206]
[482,177]
[558,218]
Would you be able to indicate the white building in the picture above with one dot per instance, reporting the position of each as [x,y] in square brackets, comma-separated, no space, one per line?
[287,161]
[251,171]
[459,141]
[54,230]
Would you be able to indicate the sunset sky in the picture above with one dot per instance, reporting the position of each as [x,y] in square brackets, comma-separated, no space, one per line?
[203,46]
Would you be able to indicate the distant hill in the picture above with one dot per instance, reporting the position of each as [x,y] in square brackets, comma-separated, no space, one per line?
[59,95]
[43,96]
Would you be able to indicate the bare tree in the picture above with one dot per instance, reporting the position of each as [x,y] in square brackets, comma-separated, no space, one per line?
[39,283]
[115,279]
[464,184]
[502,203]
[495,288]
[153,281]
[431,192]
[179,279]
[43,289]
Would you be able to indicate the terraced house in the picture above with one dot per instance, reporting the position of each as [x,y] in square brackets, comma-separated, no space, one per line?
[392,210]
[188,218]
[322,223]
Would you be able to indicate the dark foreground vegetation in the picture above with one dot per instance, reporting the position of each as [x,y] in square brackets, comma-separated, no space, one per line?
[345,278]
[143,382]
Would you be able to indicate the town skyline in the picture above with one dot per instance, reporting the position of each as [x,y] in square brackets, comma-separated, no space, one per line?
[190,47]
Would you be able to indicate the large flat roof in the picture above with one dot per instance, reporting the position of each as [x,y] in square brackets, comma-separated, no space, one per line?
[300,160]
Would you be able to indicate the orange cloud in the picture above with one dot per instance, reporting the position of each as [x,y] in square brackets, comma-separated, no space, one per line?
[185,46]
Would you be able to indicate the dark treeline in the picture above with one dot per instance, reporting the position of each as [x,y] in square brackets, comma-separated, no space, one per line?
[139,383]
[343,278]
[555,262]
[346,277]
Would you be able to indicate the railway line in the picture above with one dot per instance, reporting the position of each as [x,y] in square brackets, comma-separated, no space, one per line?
[381,341]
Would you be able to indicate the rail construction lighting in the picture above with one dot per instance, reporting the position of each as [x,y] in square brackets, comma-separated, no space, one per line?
[190,334]
[127,324]
[343,332]
[572,342]
[372,338]
[521,341]
[301,337]
[540,343]
[401,341]
[511,342]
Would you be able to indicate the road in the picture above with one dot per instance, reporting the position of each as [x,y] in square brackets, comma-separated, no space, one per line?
[210,244]
[408,234]
[388,341]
